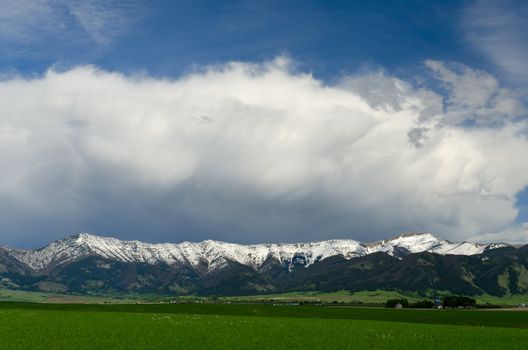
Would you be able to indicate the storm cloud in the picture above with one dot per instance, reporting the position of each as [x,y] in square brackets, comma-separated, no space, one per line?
[249,152]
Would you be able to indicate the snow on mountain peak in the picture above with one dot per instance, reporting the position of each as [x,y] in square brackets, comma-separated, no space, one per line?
[215,254]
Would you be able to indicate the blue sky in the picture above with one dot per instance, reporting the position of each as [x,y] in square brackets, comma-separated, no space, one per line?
[445,68]
[165,38]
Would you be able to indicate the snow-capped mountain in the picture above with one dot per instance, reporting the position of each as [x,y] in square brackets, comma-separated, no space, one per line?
[86,263]
[214,254]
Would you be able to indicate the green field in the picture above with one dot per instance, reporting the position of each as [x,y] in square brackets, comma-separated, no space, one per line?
[376,297]
[45,297]
[363,297]
[368,297]
[254,326]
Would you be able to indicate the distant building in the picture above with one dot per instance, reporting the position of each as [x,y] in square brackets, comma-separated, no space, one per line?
[398,306]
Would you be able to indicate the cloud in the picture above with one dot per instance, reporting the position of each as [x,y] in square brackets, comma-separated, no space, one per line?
[101,20]
[516,234]
[21,19]
[475,96]
[499,30]
[248,152]
[30,22]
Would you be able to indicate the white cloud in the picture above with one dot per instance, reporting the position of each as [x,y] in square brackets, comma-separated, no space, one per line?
[248,152]
[516,234]
[500,31]
[474,95]
[102,20]
[20,19]
[29,21]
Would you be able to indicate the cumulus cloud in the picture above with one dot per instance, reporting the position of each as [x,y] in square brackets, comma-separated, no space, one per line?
[515,234]
[475,96]
[249,153]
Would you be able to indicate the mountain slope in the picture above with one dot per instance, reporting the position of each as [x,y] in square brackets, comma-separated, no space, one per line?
[89,263]
[216,255]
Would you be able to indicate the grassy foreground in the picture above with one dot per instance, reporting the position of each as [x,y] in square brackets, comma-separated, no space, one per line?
[65,326]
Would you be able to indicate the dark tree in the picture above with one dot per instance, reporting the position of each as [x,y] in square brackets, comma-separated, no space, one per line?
[457,300]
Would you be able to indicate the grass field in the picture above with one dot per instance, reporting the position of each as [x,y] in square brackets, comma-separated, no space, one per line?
[368,297]
[363,297]
[376,297]
[250,326]
[45,297]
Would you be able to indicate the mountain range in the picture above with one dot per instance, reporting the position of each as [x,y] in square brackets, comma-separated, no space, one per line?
[86,263]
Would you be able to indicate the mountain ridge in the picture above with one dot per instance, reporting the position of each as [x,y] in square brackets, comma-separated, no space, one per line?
[86,263]
[216,253]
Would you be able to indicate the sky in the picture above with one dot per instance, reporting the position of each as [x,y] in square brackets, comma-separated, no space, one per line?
[263,121]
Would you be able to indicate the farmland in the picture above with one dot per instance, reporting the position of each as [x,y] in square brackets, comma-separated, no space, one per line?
[375,297]
[244,326]
[371,298]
